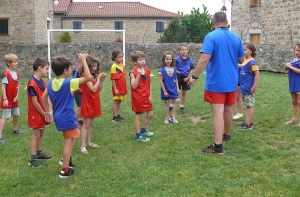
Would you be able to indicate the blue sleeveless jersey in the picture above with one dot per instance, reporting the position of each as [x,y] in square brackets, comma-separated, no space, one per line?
[246,77]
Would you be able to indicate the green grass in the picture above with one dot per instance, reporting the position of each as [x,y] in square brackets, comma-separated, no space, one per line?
[259,162]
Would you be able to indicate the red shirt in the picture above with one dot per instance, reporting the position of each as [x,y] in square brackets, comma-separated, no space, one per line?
[90,106]
[35,119]
[11,91]
[120,79]
[140,95]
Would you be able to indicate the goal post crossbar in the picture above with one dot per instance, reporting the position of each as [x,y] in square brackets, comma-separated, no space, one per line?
[81,30]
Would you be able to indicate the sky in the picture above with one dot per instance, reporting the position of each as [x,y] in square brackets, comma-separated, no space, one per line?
[184,6]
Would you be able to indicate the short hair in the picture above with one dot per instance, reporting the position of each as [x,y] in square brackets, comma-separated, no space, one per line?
[163,63]
[40,62]
[10,57]
[91,60]
[137,54]
[297,45]
[59,64]
[82,52]
[252,47]
[220,17]
[115,53]
[183,45]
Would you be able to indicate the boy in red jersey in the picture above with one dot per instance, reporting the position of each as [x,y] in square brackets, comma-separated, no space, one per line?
[60,90]
[10,92]
[141,95]
[36,121]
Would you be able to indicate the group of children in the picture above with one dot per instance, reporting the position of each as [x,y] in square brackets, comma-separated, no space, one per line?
[87,83]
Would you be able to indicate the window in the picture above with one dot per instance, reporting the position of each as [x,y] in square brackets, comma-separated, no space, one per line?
[118,25]
[160,26]
[3,26]
[77,24]
[255,3]
[255,38]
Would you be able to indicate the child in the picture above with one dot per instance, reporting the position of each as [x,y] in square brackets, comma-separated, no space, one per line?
[77,93]
[169,85]
[10,92]
[294,80]
[35,89]
[185,65]
[141,95]
[119,88]
[239,103]
[91,106]
[249,77]
[60,90]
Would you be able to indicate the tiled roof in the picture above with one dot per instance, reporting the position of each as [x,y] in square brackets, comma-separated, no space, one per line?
[111,9]
[62,6]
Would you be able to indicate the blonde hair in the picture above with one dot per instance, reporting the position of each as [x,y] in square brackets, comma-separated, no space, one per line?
[10,57]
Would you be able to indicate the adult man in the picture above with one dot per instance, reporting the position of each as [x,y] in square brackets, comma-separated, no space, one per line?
[221,51]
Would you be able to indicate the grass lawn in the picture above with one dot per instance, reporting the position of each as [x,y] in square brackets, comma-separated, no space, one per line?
[259,162]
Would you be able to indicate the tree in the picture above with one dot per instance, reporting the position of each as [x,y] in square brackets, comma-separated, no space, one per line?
[65,37]
[175,32]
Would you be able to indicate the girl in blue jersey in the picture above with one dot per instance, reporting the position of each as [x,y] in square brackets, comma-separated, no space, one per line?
[293,69]
[169,85]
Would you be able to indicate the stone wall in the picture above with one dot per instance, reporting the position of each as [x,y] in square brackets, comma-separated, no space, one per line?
[277,21]
[270,57]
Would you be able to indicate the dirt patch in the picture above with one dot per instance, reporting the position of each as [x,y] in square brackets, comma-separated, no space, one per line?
[196,119]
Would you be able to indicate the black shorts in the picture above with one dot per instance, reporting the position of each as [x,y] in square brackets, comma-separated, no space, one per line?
[181,84]
[78,97]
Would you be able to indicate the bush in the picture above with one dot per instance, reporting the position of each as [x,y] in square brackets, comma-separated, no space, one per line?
[65,37]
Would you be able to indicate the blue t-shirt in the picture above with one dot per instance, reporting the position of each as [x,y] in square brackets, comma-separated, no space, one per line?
[169,80]
[294,78]
[40,83]
[225,48]
[184,65]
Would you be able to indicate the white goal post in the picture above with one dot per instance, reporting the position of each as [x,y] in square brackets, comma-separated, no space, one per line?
[81,30]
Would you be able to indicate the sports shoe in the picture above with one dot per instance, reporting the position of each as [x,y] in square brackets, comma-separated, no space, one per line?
[182,110]
[213,149]
[142,139]
[166,120]
[237,116]
[120,117]
[116,119]
[34,163]
[71,165]
[226,138]
[18,131]
[170,108]
[44,156]
[173,119]
[147,134]
[245,126]
[62,173]
[3,140]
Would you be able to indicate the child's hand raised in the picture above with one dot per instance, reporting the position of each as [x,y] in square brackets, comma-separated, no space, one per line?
[102,76]
[82,57]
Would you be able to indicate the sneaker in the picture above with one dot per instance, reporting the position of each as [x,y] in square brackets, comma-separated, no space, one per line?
[62,173]
[116,119]
[142,139]
[173,119]
[80,121]
[182,110]
[18,131]
[120,117]
[166,120]
[212,149]
[71,165]
[170,108]
[44,156]
[34,163]
[147,134]
[237,116]
[226,138]
[245,126]
[3,140]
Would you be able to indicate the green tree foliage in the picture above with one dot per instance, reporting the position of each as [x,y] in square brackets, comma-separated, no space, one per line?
[192,28]
[65,37]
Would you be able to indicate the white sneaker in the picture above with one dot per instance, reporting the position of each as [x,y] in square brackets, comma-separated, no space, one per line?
[166,121]
[237,116]
[173,119]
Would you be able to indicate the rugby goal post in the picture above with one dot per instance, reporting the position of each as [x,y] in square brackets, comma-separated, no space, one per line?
[80,30]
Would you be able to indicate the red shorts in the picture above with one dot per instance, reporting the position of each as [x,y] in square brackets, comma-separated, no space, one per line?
[227,98]
[71,134]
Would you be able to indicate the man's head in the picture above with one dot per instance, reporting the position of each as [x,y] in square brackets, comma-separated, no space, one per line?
[219,19]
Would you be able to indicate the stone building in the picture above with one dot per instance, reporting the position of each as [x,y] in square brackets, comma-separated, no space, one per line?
[27,21]
[272,22]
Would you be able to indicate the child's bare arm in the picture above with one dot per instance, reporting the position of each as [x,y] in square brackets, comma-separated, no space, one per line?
[86,72]
[37,106]
[134,81]
[48,113]
[5,101]
[256,79]
[115,86]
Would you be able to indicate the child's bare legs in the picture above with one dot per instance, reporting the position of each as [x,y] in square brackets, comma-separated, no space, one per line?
[2,124]
[68,147]
[78,113]
[36,141]
[89,132]
[166,108]
[250,113]
[147,119]
[137,120]
[84,133]
[239,101]
[183,97]
[15,122]
[176,102]
[116,107]
[295,106]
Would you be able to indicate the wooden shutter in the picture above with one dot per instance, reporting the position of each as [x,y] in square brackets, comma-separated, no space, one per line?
[255,38]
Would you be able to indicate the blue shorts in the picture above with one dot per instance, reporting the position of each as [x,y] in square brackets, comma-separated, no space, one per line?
[78,98]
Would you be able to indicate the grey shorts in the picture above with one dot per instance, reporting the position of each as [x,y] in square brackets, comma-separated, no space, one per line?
[7,113]
[248,100]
